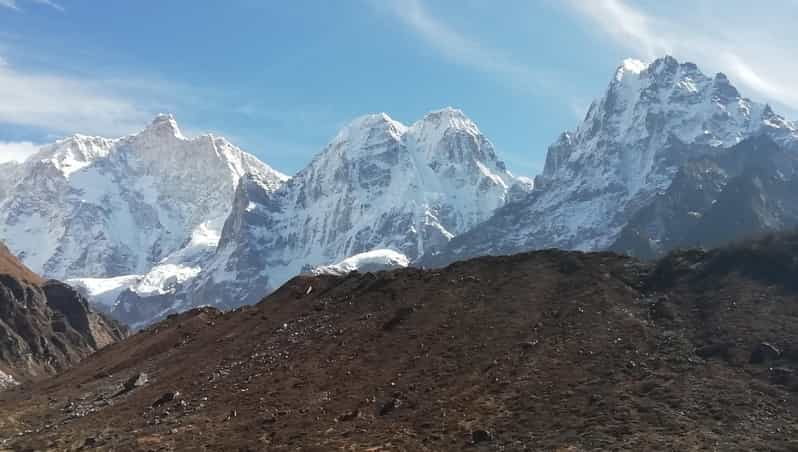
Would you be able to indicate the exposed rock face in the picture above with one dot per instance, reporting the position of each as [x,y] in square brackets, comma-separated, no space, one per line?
[47,326]
[749,190]
[632,144]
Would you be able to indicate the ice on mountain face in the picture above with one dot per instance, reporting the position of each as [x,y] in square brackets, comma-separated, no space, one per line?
[651,120]
[377,185]
[103,292]
[370,261]
[137,200]
[75,153]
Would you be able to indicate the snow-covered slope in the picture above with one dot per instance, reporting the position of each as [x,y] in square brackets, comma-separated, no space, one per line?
[378,185]
[147,208]
[155,222]
[652,119]
[370,261]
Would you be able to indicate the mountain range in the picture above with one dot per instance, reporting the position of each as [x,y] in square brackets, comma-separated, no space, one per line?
[651,122]
[156,223]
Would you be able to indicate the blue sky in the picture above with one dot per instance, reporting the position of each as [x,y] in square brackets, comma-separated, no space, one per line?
[280,78]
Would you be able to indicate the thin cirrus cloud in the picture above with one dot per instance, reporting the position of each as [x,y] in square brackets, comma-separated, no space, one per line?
[463,49]
[14,4]
[717,39]
[58,103]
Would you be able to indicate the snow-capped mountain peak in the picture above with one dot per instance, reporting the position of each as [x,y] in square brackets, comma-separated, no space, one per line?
[365,133]
[652,105]
[651,120]
[136,199]
[377,185]
[74,153]
[629,67]
[164,125]
[626,136]
[445,119]
[428,133]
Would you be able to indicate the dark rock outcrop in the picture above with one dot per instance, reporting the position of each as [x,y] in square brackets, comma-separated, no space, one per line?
[46,326]
[744,191]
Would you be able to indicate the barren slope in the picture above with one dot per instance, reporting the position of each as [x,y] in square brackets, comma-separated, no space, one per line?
[541,351]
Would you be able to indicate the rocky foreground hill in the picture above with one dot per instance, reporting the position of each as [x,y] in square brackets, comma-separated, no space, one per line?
[548,350]
[45,326]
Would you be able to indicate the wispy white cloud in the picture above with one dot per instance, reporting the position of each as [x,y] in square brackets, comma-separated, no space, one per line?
[461,48]
[51,4]
[11,4]
[16,151]
[65,104]
[762,63]
[14,4]
[624,24]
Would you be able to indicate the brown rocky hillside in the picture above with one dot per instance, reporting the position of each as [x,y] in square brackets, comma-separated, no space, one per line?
[551,351]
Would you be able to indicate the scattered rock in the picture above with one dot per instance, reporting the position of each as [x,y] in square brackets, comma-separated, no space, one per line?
[231,415]
[570,264]
[349,416]
[269,418]
[481,436]
[782,376]
[399,316]
[662,310]
[165,398]
[606,377]
[715,350]
[389,406]
[764,352]
[137,380]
